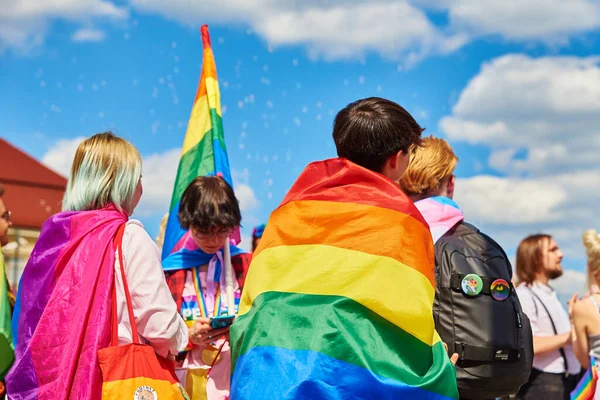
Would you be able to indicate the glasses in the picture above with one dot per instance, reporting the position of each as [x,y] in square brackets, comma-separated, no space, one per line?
[6,216]
[209,235]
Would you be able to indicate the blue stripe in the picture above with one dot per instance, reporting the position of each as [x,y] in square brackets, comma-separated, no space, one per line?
[278,373]
[173,231]
[185,258]
[14,323]
[445,201]
[221,162]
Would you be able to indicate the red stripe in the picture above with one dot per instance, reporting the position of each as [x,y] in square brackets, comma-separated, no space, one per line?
[340,180]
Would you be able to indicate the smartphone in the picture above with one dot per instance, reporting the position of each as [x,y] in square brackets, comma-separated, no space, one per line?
[222,321]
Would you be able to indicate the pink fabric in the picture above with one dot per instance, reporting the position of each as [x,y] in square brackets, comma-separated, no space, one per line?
[441,214]
[65,308]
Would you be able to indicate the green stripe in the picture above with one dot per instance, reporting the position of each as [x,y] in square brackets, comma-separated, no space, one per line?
[198,161]
[7,354]
[343,329]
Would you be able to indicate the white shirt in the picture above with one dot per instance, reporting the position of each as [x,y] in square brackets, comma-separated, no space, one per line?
[155,311]
[542,326]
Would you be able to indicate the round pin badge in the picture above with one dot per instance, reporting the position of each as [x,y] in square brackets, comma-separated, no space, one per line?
[500,289]
[471,285]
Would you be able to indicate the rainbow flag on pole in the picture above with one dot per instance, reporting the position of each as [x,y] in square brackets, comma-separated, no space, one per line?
[204,152]
[338,299]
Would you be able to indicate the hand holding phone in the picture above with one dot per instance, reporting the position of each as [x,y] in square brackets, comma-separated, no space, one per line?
[222,321]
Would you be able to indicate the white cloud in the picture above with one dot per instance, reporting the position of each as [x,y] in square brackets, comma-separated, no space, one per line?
[23,23]
[570,283]
[331,30]
[337,29]
[60,156]
[509,201]
[158,171]
[525,108]
[509,208]
[546,20]
[88,35]
[158,178]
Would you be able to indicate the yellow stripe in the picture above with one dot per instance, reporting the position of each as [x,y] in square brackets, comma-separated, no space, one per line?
[214,95]
[200,122]
[384,285]
[126,389]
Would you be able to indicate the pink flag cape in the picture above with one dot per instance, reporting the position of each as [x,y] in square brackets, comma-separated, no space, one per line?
[62,315]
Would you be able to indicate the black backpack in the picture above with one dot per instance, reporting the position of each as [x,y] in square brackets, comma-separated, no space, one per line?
[487,329]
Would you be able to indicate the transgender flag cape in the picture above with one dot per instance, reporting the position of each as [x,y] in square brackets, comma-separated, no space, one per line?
[62,315]
[338,298]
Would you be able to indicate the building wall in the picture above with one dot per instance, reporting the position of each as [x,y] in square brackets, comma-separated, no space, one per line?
[17,252]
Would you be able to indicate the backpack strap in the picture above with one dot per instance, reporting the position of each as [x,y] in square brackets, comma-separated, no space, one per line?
[561,350]
[486,353]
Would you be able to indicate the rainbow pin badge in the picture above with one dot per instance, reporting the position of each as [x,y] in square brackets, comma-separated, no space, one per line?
[500,289]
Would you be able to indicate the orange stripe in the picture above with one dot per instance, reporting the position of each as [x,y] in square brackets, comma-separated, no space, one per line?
[209,70]
[360,227]
[122,362]
[340,180]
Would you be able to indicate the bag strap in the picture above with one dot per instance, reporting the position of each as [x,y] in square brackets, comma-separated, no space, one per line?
[487,353]
[115,331]
[561,350]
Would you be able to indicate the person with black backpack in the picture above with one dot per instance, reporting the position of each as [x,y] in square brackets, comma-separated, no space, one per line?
[476,310]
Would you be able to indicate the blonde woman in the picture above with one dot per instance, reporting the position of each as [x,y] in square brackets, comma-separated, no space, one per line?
[63,311]
[586,312]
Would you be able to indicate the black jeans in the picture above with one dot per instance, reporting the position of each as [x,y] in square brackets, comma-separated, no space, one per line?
[547,386]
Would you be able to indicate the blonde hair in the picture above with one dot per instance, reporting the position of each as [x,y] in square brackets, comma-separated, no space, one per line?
[106,170]
[591,241]
[430,164]
[160,239]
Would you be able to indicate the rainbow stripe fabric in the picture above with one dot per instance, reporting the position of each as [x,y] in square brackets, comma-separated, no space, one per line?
[7,353]
[586,388]
[62,315]
[338,298]
[203,152]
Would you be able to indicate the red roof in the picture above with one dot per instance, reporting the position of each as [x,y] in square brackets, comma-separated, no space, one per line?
[32,191]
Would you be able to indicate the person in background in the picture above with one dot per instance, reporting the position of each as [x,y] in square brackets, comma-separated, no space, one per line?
[7,300]
[555,367]
[257,234]
[70,274]
[160,238]
[210,212]
[586,312]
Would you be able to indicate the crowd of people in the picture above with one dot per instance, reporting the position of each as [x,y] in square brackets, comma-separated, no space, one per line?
[366,283]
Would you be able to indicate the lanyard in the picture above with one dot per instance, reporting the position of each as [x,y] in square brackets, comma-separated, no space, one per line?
[200,294]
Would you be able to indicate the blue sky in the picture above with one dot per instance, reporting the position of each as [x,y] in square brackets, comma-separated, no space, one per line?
[513,85]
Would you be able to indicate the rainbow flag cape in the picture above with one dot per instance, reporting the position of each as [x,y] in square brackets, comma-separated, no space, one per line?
[62,315]
[338,299]
[586,388]
[7,353]
[204,152]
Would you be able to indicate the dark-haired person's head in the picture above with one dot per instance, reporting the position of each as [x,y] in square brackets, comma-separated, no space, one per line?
[5,221]
[376,134]
[210,210]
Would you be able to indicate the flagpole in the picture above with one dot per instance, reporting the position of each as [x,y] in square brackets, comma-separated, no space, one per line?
[229,279]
